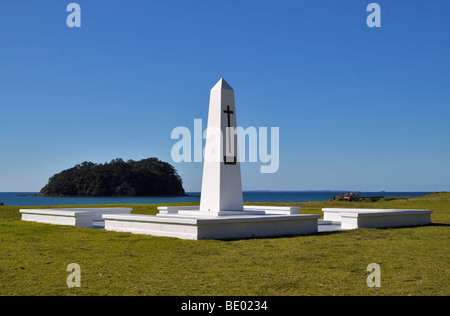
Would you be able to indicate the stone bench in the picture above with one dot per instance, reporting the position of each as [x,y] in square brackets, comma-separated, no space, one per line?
[79,217]
[376,218]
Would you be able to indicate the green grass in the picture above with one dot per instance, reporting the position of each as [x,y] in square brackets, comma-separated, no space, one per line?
[413,260]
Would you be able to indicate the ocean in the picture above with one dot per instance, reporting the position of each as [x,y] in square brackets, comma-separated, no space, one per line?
[29,198]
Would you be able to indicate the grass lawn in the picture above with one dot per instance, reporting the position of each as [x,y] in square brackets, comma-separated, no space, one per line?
[413,260]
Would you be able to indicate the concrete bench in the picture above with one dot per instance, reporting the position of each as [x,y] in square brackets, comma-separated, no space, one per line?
[377,218]
[79,217]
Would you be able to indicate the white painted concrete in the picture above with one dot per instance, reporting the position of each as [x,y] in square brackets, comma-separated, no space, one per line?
[224,227]
[98,212]
[58,217]
[286,210]
[79,217]
[377,218]
[221,181]
[254,209]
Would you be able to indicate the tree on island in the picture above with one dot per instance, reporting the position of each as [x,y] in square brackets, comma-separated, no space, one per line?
[147,177]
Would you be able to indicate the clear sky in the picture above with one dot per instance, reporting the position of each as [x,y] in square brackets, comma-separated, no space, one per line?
[358,108]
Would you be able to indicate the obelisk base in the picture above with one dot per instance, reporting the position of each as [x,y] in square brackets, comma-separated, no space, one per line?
[218,214]
[195,224]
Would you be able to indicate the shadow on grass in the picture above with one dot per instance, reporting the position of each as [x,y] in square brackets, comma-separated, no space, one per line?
[439,225]
[325,233]
[409,226]
[336,232]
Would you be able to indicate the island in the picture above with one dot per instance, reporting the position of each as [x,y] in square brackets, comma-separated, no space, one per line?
[147,177]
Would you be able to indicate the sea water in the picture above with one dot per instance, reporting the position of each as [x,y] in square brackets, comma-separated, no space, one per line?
[30,198]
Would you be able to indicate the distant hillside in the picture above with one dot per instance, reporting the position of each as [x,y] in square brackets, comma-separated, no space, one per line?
[148,177]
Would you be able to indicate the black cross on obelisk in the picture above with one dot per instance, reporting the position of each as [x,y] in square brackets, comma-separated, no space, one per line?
[229,160]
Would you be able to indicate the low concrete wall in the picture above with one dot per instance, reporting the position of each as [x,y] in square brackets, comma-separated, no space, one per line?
[79,217]
[58,217]
[377,218]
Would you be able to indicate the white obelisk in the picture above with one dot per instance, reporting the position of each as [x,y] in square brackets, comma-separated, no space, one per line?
[221,184]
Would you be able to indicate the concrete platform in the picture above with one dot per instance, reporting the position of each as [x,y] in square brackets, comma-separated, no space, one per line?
[255,221]
[79,217]
[192,224]
[377,218]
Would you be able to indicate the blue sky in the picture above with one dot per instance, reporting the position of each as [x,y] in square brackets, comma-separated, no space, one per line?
[358,108]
